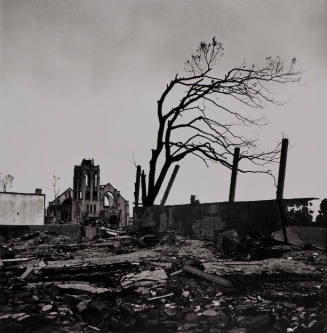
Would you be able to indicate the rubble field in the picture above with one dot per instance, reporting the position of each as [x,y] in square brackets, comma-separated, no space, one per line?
[119,284]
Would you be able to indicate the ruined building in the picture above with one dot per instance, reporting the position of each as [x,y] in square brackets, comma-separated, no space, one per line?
[88,201]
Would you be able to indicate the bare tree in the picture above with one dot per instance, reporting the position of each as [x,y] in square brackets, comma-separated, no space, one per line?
[56,189]
[6,180]
[202,123]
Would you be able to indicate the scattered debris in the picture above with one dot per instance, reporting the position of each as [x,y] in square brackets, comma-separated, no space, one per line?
[208,277]
[47,307]
[28,271]
[160,297]
[55,284]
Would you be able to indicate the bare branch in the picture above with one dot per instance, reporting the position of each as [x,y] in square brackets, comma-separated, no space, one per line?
[6,180]
[206,137]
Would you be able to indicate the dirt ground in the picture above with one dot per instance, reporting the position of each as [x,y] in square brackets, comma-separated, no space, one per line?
[55,284]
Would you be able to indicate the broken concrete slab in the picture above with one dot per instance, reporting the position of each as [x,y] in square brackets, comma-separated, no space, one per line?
[266,270]
[82,288]
[144,278]
[151,254]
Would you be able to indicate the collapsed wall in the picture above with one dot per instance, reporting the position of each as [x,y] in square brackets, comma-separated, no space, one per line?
[205,220]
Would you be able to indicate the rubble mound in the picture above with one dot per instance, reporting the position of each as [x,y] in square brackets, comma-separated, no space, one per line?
[185,286]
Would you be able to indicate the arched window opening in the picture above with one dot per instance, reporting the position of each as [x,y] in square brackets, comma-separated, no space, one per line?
[87,179]
[108,199]
[95,180]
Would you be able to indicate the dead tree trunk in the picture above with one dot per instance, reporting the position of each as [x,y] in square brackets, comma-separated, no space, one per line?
[234,175]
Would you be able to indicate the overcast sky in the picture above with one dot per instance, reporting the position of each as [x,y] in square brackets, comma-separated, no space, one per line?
[80,79]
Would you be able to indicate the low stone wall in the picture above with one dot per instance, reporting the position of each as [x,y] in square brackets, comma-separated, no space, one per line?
[12,231]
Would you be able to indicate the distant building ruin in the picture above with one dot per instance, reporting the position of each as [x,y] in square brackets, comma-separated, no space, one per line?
[88,201]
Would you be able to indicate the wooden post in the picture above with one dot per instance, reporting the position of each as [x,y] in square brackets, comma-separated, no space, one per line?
[143,186]
[280,185]
[170,184]
[209,277]
[234,175]
[137,186]
[282,169]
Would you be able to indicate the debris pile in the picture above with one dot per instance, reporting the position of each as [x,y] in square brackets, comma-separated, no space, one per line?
[44,245]
[188,286]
